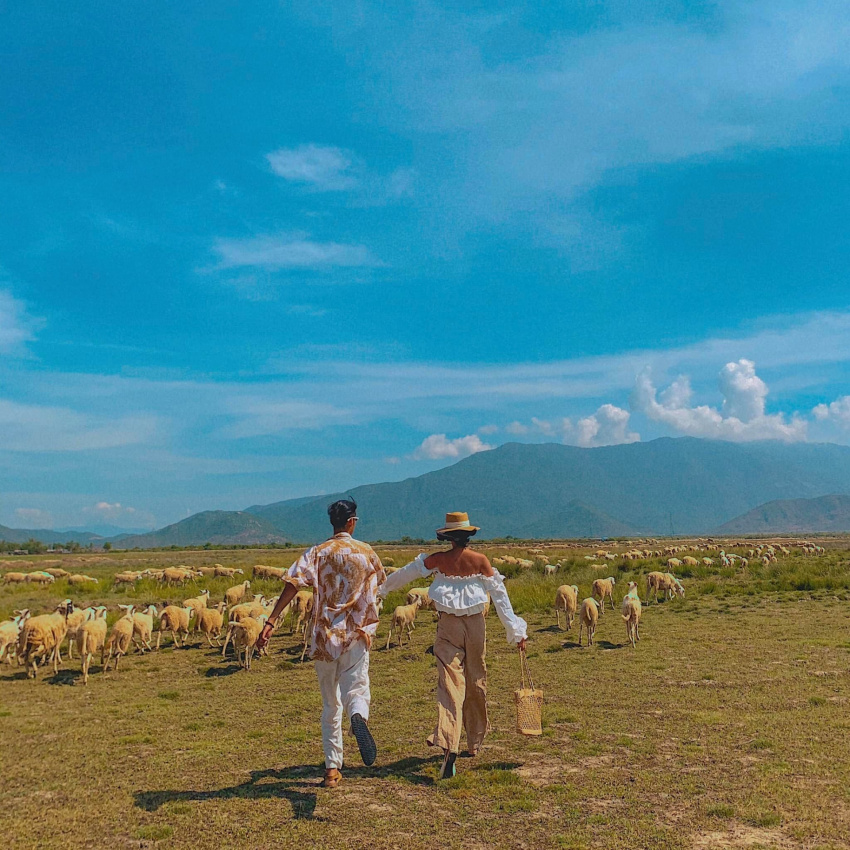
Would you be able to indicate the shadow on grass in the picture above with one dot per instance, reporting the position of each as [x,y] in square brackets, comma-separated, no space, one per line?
[297,785]
[606,644]
[553,629]
[216,672]
[65,677]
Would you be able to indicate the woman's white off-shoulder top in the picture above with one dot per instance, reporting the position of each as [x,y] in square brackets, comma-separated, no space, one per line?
[461,595]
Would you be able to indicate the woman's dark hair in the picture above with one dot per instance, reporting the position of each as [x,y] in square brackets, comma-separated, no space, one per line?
[341,512]
[459,537]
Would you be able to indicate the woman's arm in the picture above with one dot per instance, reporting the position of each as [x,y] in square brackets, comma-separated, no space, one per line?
[515,627]
[412,571]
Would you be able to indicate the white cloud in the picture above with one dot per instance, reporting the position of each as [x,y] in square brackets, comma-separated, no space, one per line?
[109,510]
[742,417]
[438,447]
[34,518]
[486,430]
[322,168]
[16,327]
[837,411]
[609,426]
[516,428]
[290,251]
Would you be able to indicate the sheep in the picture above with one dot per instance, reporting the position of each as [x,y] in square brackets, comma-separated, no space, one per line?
[603,587]
[689,561]
[9,632]
[119,640]
[674,586]
[40,578]
[525,564]
[74,622]
[261,571]
[126,578]
[709,562]
[80,578]
[244,635]
[174,619]
[91,637]
[197,604]
[210,622]
[14,578]
[57,573]
[588,618]
[301,608]
[655,581]
[40,638]
[227,572]
[631,614]
[403,618]
[143,628]
[566,599]
[388,562]
[550,569]
[207,572]
[672,563]
[236,593]
[422,594]
[176,575]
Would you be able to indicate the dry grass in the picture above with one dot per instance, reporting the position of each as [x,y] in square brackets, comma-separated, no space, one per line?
[727,727]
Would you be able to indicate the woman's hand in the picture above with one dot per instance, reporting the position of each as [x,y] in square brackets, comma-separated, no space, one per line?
[265,635]
[522,644]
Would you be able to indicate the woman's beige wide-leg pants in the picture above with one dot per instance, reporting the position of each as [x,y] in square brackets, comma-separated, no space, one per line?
[459,648]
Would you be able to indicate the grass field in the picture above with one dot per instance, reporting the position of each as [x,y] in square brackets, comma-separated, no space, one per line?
[726,727]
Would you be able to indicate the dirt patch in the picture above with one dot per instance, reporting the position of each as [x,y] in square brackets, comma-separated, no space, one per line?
[740,836]
[545,772]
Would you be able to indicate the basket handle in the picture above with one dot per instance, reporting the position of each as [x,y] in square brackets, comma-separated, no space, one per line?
[525,671]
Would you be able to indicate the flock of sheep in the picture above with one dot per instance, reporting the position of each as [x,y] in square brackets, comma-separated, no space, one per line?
[238,619]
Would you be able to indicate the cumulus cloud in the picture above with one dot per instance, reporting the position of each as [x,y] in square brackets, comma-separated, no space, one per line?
[34,517]
[516,428]
[837,412]
[323,168]
[290,251]
[109,510]
[609,426]
[439,447]
[742,417]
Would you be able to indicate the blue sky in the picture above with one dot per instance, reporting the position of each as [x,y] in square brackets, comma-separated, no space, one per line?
[256,251]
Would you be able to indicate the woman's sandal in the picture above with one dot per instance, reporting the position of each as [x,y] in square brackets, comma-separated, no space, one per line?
[332,778]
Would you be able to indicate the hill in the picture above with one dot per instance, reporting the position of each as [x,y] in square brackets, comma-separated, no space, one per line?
[801,516]
[43,535]
[666,486]
[237,527]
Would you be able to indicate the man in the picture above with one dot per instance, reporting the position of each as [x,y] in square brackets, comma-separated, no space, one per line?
[344,574]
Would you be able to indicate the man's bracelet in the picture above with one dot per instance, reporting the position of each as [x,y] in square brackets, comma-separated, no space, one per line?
[271,623]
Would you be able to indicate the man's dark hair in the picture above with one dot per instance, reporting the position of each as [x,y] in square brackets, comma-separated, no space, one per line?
[341,512]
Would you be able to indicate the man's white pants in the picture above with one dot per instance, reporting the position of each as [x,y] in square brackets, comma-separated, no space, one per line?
[344,683]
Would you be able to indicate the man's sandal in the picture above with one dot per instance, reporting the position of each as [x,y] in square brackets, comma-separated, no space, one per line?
[332,778]
[447,770]
[365,741]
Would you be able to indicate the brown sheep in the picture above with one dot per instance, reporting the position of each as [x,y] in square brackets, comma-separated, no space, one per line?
[174,619]
[119,640]
[602,588]
[566,600]
[14,578]
[40,638]
[404,617]
[90,638]
[210,622]
[244,636]
[236,594]
[588,618]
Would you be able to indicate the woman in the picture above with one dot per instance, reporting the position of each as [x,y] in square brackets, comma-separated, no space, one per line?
[462,581]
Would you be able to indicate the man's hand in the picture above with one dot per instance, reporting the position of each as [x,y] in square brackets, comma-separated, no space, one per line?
[265,635]
[521,645]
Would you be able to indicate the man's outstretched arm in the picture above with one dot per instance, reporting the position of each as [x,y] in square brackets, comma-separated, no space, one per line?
[285,598]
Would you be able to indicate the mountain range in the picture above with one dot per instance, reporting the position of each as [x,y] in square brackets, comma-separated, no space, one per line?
[669,486]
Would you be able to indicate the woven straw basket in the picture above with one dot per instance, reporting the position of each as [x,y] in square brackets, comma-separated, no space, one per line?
[529,702]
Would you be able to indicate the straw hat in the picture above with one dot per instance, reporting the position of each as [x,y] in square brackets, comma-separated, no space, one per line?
[457,521]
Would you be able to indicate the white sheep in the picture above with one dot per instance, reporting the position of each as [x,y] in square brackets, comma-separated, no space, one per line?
[244,635]
[40,638]
[174,619]
[9,632]
[631,616]
[210,622]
